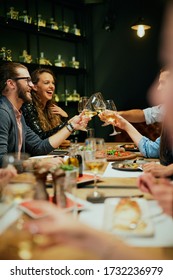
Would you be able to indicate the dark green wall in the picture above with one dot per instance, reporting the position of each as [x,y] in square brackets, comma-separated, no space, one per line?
[125,65]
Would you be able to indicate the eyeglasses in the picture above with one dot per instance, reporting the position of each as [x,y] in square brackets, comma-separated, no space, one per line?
[28,79]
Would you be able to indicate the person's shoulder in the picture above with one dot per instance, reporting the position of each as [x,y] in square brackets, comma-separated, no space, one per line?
[5,103]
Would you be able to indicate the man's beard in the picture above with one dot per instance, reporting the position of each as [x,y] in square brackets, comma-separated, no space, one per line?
[23,95]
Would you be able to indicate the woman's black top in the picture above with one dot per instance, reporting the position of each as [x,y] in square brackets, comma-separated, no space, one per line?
[31,118]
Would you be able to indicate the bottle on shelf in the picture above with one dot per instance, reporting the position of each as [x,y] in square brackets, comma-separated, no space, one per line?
[39,21]
[12,14]
[67,97]
[75,95]
[3,53]
[25,57]
[75,30]
[52,24]
[25,17]
[59,62]
[74,63]
[64,27]
[43,60]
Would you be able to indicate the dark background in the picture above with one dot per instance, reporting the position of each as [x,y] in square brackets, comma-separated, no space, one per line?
[124,65]
[119,64]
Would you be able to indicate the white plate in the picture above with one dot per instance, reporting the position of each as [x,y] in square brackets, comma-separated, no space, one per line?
[109,219]
[43,156]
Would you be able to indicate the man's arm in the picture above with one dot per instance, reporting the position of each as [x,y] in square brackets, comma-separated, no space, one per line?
[134,116]
[149,115]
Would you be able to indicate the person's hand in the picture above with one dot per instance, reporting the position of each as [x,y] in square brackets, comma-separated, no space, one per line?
[158,170]
[6,175]
[163,193]
[46,163]
[58,111]
[112,117]
[145,182]
[61,228]
[80,122]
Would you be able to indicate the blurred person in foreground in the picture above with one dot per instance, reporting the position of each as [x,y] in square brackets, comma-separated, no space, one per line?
[15,135]
[162,189]
[62,229]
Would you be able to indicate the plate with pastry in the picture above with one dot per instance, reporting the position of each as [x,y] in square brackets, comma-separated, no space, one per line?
[128,217]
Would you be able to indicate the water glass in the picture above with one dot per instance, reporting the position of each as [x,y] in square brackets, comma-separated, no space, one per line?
[15,160]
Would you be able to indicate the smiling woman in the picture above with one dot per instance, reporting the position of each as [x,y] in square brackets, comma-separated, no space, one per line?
[43,115]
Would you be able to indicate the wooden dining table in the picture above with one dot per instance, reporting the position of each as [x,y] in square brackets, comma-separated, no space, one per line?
[14,237]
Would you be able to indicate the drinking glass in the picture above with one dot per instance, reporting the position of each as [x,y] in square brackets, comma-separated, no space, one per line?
[16,161]
[95,159]
[82,102]
[81,105]
[95,105]
[110,105]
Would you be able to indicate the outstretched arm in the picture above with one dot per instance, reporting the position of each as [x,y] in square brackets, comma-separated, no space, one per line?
[134,116]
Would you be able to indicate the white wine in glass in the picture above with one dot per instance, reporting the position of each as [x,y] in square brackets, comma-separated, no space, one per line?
[110,105]
[95,159]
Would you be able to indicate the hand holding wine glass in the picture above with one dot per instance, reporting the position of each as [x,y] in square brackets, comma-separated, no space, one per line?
[110,116]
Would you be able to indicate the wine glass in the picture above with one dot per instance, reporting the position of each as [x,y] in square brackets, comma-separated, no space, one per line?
[81,105]
[110,105]
[96,102]
[15,160]
[95,159]
[82,102]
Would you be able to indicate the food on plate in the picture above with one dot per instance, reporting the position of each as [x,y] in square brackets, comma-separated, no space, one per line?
[128,215]
[130,147]
[119,153]
[132,165]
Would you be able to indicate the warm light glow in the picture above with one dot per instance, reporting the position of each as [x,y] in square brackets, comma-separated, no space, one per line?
[140,31]
[140,26]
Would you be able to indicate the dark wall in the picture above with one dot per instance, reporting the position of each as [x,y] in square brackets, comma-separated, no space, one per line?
[125,65]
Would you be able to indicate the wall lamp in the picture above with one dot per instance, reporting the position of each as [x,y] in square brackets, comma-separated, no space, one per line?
[140,26]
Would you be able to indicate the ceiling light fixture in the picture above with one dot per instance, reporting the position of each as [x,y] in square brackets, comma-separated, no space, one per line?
[140,26]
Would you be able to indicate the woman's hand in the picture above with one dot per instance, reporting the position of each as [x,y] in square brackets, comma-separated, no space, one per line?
[158,170]
[58,111]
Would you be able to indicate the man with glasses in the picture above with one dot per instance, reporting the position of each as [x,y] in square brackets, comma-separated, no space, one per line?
[15,135]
